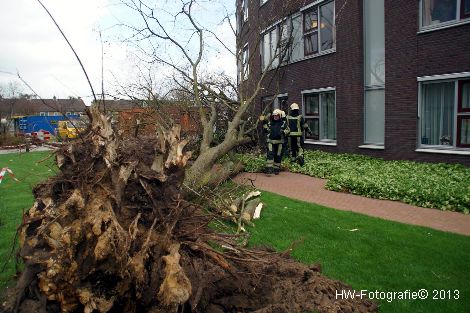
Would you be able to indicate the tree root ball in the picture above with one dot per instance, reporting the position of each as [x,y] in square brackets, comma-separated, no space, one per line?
[112,233]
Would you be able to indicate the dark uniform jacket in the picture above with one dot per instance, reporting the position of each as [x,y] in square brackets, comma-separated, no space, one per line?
[276,130]
[296,124]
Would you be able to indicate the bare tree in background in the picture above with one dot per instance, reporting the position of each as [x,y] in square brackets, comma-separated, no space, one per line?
[9,94]
[215,96]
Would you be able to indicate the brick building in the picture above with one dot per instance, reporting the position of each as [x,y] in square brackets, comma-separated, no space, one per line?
[10,108]
[387,78]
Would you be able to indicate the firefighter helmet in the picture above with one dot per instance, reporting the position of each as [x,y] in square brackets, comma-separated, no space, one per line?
[277,112]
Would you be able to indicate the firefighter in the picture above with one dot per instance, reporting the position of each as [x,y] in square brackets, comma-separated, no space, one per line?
[276,129]
[297,126]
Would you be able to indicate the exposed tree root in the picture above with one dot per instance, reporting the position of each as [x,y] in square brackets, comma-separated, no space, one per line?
[111,233]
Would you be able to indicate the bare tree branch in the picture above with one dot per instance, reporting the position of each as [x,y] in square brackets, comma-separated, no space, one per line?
[73,50]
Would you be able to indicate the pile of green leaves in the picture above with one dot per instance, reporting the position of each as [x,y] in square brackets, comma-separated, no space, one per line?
[442,186]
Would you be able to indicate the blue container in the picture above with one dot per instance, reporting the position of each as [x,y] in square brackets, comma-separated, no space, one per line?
[29,124]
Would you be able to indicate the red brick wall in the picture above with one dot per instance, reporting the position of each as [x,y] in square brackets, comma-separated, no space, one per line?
[188,118]
[408,55]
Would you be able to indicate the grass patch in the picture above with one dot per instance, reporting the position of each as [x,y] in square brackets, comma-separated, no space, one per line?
[16,197]
[428,185]
[380,255]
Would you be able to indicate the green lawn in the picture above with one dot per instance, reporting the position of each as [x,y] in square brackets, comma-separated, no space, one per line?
[16,197]
[380,255]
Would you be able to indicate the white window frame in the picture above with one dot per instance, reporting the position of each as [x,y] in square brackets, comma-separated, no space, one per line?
[245,63]
[455,77]
[281,42]
[319,92]
[288,20]
[262,2]
[458,20]
[368,88]
[42,114]
[269,32]
[318,4]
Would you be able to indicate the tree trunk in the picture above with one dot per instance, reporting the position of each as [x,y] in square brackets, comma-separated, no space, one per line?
[198,174]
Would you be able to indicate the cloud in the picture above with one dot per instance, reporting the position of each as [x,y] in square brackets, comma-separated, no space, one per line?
[32,45]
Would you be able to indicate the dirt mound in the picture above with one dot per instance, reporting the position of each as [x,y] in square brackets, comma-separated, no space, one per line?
[112,233]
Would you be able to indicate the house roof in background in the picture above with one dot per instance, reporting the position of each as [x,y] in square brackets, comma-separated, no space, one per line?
[120,105]
[35,106]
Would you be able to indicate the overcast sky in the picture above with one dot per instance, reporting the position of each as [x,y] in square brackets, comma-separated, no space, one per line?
[31,45]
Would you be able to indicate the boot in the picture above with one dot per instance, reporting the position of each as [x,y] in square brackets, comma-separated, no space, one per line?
[301,160]
[268,170]
[277,171]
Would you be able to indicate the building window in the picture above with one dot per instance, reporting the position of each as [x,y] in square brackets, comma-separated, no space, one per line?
[463,115]
[374,72]
[374,116]
[464,96]
[437,114]
[285,31]
[463,135]
[296,43]
[442,12]
[282,42]
[243,63]
[299,35]
[465,9]
[269,49]
[270,103]
[280,102]
[42,113]
[327,19]
[245,10]
[320,115]
[267,105]
[311,31]
[318,27]
[245,66]
[238,22]
[442,124]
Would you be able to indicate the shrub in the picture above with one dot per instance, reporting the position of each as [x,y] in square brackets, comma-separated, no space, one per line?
[442,186]
[10,140]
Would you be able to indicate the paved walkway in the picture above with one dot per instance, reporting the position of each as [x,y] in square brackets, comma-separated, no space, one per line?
[311,189]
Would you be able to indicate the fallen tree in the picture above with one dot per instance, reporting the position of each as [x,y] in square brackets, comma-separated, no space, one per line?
[112,233]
